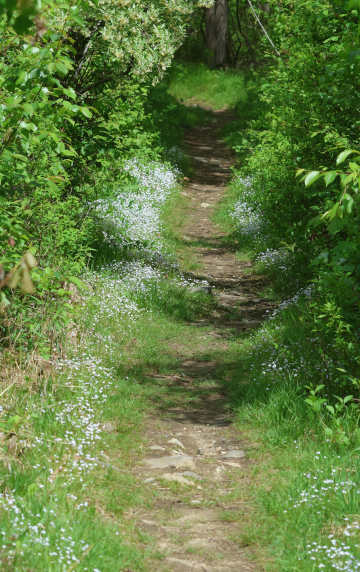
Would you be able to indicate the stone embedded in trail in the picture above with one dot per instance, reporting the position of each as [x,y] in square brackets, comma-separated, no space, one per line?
[192,475]
[156,448]
[109,427]
[179,565]
[176,442]
[176,478]
[149,524]
[231,464]
[234,454]
[201,290]
[197,515]
[171,462]
[200,543]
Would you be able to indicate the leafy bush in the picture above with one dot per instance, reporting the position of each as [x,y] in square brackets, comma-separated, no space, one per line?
[304,233]
[74,86]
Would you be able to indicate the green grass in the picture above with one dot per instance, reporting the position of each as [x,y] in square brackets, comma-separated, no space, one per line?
[173,217]
[71,491]
[304,484]
[198,85]
[67,495]
[296,483]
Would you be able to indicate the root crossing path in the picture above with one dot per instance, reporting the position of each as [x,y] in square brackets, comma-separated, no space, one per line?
[195,460]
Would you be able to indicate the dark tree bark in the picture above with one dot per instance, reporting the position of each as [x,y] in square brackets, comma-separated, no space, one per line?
[217,32]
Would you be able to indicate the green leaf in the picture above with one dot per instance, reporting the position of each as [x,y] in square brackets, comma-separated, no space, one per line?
[353,4]
[330,177]
[331,213]
[349,202]
[79,283]
[20,157]
[354,166]
[344,155]
[28,108]
[70,92]
[311,178]
[86,112]
[349,179]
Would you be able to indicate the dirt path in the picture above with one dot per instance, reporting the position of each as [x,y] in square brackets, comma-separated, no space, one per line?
[195,459]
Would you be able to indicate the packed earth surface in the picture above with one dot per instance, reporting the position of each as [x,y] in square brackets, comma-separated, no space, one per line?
[194,458]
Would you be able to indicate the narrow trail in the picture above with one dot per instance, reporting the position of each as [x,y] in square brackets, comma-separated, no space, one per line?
[195,458]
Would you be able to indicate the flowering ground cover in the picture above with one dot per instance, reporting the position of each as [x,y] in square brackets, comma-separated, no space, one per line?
[68,485]
[283,378]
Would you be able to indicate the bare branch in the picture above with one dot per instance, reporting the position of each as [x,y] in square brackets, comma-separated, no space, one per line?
[262,27]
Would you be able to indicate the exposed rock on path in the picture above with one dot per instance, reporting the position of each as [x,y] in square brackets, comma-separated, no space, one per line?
[195,457]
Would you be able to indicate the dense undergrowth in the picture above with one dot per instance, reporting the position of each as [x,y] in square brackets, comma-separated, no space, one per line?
[296,190]
[80,104]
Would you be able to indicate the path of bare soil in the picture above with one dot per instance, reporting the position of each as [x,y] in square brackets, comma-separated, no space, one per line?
[195,458]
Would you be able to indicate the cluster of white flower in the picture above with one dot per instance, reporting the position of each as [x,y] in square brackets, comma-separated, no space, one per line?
[133,217]
[322,490]
[116,286]
[39,534]
[278,258]
[133,275]
[336,554]
[244,213]
[302,294]
[276,361]
[70,458]
[110,298]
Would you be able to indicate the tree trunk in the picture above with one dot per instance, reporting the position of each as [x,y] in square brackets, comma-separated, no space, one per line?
[217,32]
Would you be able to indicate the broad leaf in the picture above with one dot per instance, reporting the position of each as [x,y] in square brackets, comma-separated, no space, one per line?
[344,155]
[330,177]
[311,178]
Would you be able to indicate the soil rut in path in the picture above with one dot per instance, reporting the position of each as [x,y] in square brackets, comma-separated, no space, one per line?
[194,456]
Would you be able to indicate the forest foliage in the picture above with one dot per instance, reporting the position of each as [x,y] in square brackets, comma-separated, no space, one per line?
[75,83]
[298,185]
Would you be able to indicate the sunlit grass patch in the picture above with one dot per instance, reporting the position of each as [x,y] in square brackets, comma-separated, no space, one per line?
[197,84]
[174,214]
[306,466]
[311,492]
[75,482]
[51,511]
